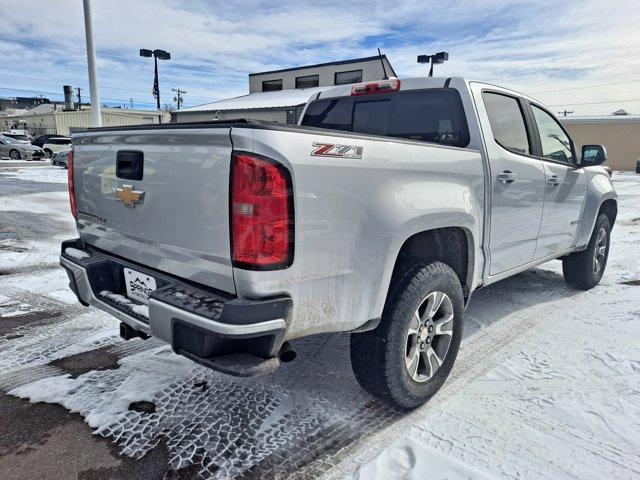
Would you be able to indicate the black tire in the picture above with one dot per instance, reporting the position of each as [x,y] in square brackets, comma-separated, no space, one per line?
[378,356]
[48,153]
[579,268]
[14,155]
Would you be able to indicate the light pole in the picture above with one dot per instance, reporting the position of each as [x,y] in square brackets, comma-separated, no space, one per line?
[156,54]
[432,60]
[96,119]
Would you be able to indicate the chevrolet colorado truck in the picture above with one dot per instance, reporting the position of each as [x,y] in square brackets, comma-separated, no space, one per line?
[378,214]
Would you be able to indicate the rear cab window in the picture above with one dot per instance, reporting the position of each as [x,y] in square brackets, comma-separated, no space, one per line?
[507,122]
[431,115]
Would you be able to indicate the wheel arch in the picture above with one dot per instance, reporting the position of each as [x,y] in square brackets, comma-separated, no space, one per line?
[453,246]
[601,198]
[610,208]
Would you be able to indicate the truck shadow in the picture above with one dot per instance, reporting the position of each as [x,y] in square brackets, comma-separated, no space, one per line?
[299,421]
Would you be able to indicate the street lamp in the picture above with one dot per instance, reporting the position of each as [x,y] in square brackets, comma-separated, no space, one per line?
[432,60]
[156,54]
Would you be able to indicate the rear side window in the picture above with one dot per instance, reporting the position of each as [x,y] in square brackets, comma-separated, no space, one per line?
[433,115]
[507,122]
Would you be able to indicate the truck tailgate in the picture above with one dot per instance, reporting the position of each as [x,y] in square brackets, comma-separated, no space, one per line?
[177,216]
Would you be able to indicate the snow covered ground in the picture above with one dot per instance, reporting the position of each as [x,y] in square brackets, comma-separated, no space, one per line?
[547,383]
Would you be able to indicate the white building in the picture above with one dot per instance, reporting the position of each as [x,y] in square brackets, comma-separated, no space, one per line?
[49,118]
[280,95]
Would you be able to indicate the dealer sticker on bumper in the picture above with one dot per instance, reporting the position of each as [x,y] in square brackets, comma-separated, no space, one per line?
[139,285]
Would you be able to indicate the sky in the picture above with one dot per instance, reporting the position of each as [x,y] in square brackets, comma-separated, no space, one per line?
[581,56]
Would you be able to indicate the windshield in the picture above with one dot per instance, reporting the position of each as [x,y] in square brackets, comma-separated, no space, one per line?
[8,140]
[431,115]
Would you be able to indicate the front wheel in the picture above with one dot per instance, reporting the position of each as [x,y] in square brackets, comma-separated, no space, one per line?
[14,155]
[408,357]
[584,269]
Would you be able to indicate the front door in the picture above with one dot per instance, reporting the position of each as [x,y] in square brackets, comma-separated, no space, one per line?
[517,182]
[565,189]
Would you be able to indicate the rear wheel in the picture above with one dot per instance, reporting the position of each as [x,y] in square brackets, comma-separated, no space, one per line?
[584,269]
[408,357]
[14,155]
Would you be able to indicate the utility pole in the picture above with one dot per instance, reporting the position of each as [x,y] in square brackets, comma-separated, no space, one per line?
[178,98]
[79,98]
[96,118]
[564,113]
[131,103]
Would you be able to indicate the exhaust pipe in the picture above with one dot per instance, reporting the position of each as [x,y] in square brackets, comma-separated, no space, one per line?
[286,353]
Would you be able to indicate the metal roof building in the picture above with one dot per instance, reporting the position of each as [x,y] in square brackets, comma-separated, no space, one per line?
[280,95]
[47,118]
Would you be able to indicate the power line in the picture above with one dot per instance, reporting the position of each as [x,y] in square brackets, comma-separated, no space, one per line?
[106,87]
[595,103]
[587,86]
[61,95]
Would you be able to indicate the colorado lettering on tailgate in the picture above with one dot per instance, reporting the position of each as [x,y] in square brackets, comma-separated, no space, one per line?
[336,151]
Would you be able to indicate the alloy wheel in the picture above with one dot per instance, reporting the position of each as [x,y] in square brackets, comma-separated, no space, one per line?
[600,251]
[429,336]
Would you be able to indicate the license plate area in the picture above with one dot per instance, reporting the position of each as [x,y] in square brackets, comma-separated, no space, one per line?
[139,285]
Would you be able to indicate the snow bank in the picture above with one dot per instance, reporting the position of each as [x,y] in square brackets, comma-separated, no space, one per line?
[409,460]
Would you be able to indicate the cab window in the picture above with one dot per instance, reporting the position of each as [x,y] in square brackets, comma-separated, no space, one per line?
[507,122]
[556,145]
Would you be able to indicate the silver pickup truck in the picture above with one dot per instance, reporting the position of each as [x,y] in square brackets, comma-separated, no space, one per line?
[379,214]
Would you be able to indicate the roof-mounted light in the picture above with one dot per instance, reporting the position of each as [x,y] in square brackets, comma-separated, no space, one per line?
[379,86]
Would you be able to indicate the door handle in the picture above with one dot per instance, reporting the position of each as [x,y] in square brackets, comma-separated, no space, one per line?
[507,176]
[553,181]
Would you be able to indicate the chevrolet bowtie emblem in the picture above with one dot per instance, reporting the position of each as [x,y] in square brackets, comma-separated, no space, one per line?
[128,195]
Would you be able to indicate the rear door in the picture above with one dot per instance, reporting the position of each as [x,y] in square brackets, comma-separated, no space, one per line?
[517,180]
[566,185]
[173,214]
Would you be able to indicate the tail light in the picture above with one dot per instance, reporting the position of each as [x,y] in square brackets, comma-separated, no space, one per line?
[72,191]
[261,213]
[380,86]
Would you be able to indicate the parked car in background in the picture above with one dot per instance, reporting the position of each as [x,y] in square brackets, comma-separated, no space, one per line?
[638,166]
[379,214]
[56,144]
[42,139]
[60,158]
[20,137]
[16,150]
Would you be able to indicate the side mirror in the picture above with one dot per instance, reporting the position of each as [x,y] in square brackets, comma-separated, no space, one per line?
[593,155]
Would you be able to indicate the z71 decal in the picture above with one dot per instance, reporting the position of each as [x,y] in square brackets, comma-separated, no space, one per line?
[336,151]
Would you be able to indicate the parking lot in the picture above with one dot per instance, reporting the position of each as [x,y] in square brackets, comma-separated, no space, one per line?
[546,385]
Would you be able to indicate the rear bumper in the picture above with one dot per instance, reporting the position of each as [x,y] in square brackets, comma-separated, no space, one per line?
[208,327]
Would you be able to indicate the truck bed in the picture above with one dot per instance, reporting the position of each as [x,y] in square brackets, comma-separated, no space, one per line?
[344,223]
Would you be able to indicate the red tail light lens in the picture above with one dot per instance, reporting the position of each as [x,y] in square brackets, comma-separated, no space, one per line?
[72,191]
[261,213]
[380,86]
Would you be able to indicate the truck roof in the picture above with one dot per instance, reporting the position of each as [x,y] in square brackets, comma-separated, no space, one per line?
[413,83]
